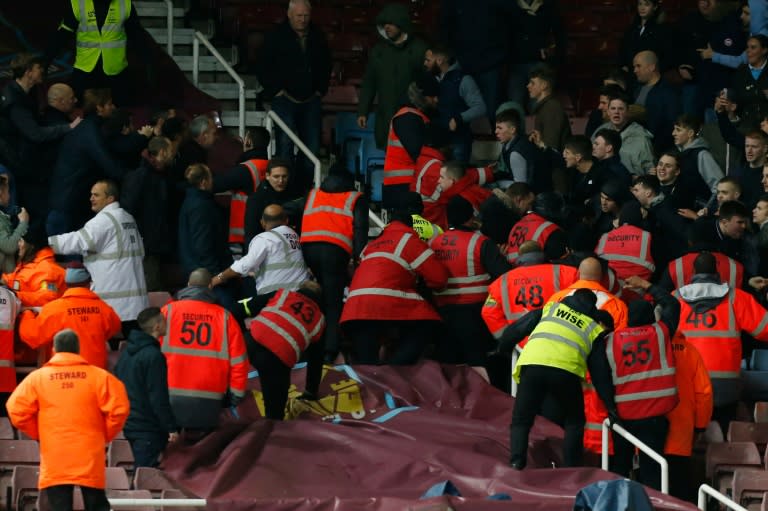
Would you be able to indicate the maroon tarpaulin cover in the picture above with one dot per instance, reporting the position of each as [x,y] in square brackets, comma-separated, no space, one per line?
[378,440]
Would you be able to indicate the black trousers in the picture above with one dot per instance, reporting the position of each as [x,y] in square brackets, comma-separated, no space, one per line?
[329,263]
[466,339]
[412,337]
[652,432]
[60,498]
[275,379]
[537,383]
[681,477]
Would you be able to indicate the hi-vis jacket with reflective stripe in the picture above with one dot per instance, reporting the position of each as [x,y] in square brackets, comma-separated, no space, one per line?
[275,260]
[205,351]
[712,317]
[113,254]
[109,41]
[522,290]
[9,308]
[730,270]
[399,168]
[257,169]
[628,251]
[459,251]
[287,325]
[531,227]
[562,339]
[384,285]
[328,218]
[642,370]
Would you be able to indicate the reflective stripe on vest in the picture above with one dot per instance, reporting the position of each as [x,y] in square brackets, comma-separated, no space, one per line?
[108,42]
[454,285]
[537,235]
[642,259]
[677,270]
[284,264]
[319,218]
[399,168]
[557,315]
[423,172]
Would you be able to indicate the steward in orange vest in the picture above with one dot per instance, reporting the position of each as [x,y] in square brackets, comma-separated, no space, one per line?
[524,288]
[712,317]
[473,261]
[404,142]
[679,272]
[384,294]
[628,247]
[537,225]
[641,363]
[207,361]
[334,232]
[285,328]
[256,171]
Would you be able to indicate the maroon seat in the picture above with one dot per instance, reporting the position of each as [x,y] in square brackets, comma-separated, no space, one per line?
[130,494]
[153,480]
[722,459]
[761,411]
[24,487]
[740,431]
[764,503]
[18,452]
[119,454]
[6,429]
[117,479]
[749,486]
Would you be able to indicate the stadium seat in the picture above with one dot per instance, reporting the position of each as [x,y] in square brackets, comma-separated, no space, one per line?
[117,479]
[764,503]
[153,480]
[6,430]
[130,494]
[18,452]
[723,458]
[749,486]
[370,164]
[761,411]
[739,431]
[23,489]
[119,454]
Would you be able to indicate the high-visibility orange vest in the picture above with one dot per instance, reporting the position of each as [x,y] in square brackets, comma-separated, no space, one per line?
[287,325]
[531,227]
[642,370]
[522,290]
[328,218]
[730,270]
[258,170]
[399,168]
[9,307]
[459,251]
[205,351]
[628,252]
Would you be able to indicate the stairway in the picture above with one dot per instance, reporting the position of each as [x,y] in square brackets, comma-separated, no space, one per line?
[213,78]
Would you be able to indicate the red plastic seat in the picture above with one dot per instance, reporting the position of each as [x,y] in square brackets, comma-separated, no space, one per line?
[24,490]
[761,411]
[119,454]
[749,486]
[740,431]
[722,459]
[6,429]
[117,479]
[153,480]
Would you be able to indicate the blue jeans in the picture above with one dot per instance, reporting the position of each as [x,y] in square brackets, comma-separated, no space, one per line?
[147,450]
[305,120]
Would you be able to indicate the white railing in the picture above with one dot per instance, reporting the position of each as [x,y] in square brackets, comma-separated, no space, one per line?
[706,489]
[169,22]
[658,458]
[200,38]
[123,503]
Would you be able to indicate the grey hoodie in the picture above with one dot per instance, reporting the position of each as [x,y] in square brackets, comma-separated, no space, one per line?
[636,147]
[709,170]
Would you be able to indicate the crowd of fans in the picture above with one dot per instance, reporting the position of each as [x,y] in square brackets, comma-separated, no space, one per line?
[642,205]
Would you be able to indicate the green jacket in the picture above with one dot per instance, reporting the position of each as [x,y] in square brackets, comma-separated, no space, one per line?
[391,68]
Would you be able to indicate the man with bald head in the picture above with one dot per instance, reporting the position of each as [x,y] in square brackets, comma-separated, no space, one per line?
[274,257]
[661,101]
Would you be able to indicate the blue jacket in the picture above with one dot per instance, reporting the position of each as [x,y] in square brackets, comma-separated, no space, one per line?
[202,233]
[662,108]
[143,371]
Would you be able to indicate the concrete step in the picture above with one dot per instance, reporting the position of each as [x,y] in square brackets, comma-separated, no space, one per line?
[180,35]
[225,90]
[207,63]
[229,118]
[156,10]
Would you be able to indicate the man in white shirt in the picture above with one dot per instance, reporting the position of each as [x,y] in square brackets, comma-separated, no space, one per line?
[112,253]
[274,257]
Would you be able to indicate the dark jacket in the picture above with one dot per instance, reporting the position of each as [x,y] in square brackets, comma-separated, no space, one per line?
[143,371]
[22,129]
[662,108]
[144,194]
[531,33]
[613,169]
[284,65]
[669,230]
[202,233]
[748,94]
[654,37]
[460,23]
[83,159]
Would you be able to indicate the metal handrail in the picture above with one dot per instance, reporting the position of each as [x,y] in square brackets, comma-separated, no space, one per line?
[658,458]
[169,21]
[199,37]
[121,503]
[706,489]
